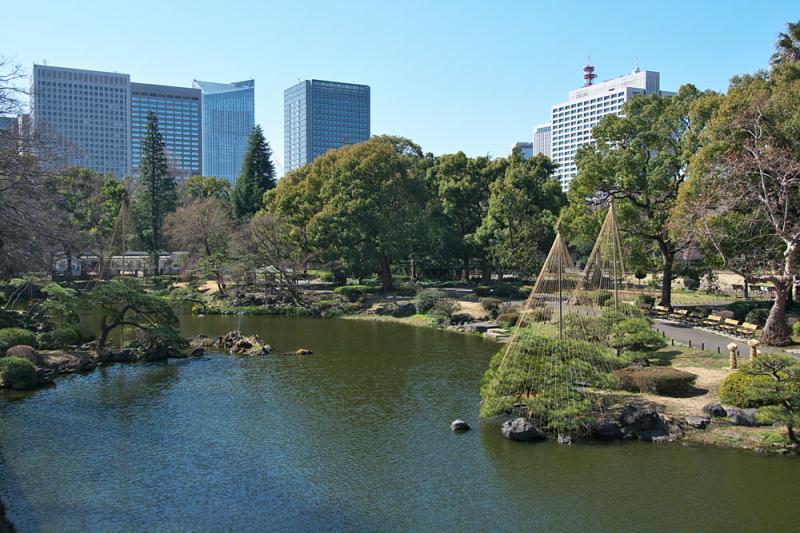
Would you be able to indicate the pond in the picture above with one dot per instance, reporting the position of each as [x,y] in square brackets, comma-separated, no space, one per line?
[353,437]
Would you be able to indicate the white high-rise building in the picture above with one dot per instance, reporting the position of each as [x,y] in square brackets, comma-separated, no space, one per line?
[572,121]
[542,140]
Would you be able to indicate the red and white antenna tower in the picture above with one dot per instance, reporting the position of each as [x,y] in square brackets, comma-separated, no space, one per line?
[588,74]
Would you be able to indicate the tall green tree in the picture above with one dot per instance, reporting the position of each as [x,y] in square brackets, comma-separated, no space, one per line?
[256,177]
[639,162]
[787,48]
[523,208]
[156,195]
[203,187]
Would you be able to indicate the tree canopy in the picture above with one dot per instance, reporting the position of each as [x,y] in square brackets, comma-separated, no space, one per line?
[256,177]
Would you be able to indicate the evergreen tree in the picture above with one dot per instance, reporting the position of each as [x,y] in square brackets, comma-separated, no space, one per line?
[256,177]
[156,196]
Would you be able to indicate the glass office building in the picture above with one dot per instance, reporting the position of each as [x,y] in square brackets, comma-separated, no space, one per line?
[179,121]
[85,114]
[228,117]
[321,115]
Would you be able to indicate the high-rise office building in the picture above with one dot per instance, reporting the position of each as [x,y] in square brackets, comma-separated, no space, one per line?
[8,123]
[321,115]
[572,121]
[228,118]
[525,148]
[179,121]
[86,114]
[541,140]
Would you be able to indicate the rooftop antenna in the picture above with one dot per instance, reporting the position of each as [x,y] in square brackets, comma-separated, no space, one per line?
[636,63]
[588,73]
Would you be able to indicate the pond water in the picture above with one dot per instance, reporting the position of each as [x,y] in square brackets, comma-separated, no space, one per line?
[354,437]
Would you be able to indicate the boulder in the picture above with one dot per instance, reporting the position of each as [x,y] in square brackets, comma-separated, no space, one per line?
[197,352]
[698,422]
[715,409]
[404,309]
[521,430]
[301,351]
[125,355]
[642,422]
[743,417]
[605,429]
[201,341]
[26,352]
[84,363]
[459,425]
[566,438]
[235,342]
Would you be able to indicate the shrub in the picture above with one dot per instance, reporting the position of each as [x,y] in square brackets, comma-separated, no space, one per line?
[327,277]
[353,292]
[3,347]
[505,291]
[17,373]
[426,299]
[60,338]
[482,290]
[691,284]
[645,300]
[757,316]
[742,307]
[796,329]
[15,336]
[665,381]
[508,307]
[540,314]
[601,298]
[635,334]
[525,291]
[742,390]
[490,304]
[444,308]
[508,319]
[587,328]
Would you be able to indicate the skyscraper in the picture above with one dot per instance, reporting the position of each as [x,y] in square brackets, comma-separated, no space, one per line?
[541,140]
[525,147]
[179,121]
[228,112]
[321,115]
[572,121]
[86,114]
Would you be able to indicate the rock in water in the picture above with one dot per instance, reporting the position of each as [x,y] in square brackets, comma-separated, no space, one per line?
[642,422]
[459,425]
[698,422]
[715,409]
[605,429]
[521,430]
[565,438]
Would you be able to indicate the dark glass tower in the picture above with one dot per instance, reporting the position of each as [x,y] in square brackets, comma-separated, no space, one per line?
[321,115]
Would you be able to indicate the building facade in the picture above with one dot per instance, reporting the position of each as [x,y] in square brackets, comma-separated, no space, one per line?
[228,117]
[85,114]
[542,143]
[525,148]
[573,120]
[179,120]
[322,115]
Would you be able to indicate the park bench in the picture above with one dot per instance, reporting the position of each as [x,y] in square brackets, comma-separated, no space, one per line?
[681,315]
[729,325]
[712,321]
[661,310]
[747,329]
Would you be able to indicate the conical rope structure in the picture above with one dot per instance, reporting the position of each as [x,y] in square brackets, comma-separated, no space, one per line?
[559,357]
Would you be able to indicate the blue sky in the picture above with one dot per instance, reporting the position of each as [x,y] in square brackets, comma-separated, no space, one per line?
[471,76]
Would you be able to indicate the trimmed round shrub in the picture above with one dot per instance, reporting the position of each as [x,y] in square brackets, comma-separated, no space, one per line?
[525,291]
[757,316]
[327,277]
[691,284]
[490,304]
[645,300]
[662,380]
[60,338]
[426,299]
[742,390]
[740,308]
[444,308]
[17,373]
[634,334]
[508,319]
[15,336]
[353,292]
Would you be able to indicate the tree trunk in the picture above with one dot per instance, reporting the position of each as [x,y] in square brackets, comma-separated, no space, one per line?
[385,270]
[668,258]
[465,267]
[103,338]
[746,287]
[776,332]
[69,264]
[486,271]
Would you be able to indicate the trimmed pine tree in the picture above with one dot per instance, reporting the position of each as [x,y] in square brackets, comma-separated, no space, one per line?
[156,195]
[256,177]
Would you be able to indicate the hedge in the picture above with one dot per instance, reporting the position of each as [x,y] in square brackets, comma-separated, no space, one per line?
[666,381]
[60,338]
[426,299]
[15,336]
[353,292]
[17,373]
[742,390]
[742,307]
[757,316]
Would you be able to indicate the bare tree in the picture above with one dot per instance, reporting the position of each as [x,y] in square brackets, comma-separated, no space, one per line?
[272,247]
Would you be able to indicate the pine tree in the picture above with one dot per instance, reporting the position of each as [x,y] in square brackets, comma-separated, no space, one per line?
[256,177]
[156,196]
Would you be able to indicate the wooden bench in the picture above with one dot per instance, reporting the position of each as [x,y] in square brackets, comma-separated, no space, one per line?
[681,314]
[747,329]
[661,310]
[730,325]
[712,321]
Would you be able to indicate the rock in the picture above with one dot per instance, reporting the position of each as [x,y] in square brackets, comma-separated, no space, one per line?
[301,351]
[459,319]
[698,422]
[565,438]
[642,422]
[91,345]
[521,430]
[124,355]
[197,352]
[201,341]
[235,342]
[83,363]
[26,352]
[459,425]
[743,417]
[481,327]
[715,409]
[605,429]
[404,309]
